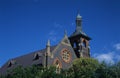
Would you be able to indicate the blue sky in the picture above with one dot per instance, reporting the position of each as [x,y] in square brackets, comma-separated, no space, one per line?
[26,25]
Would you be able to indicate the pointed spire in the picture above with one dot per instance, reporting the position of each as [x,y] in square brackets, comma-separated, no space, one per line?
[48,48]
[65,33]
[48,43]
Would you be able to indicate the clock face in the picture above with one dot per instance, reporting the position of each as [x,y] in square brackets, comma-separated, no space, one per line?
[66,56]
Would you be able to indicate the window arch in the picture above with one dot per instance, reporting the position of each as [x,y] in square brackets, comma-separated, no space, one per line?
[58,65]
[84,43]
[74,45]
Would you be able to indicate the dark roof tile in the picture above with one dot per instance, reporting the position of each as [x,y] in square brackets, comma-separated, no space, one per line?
[26,60]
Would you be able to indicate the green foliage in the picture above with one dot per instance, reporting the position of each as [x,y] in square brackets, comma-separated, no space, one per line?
[85,67]
[2,76]
[81,68]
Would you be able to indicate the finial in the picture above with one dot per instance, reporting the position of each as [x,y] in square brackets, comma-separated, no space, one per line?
[48,43]
[65,33]
[78,15]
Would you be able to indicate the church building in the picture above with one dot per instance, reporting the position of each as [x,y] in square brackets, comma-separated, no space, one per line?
[61,55]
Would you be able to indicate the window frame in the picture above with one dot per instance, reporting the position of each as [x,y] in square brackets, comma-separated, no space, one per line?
[67,55]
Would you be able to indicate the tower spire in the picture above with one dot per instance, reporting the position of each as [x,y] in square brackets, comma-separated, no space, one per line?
[79,40]
[48,43]
[48,48]
[78,22]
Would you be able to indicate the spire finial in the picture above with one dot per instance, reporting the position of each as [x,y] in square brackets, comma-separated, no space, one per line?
[78,16]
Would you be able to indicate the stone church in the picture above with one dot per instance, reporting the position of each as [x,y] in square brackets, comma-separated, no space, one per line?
[60,55]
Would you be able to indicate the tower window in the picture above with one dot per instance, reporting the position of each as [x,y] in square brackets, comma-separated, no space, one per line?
[84,43]
[74,45]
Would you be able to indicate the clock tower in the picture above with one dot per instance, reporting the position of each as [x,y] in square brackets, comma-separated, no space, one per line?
[79,40]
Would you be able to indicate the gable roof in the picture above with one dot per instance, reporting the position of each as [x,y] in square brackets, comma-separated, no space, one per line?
[64,44]
[25,60]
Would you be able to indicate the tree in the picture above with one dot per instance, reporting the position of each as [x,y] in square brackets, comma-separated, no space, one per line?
[85,67]
[81,68]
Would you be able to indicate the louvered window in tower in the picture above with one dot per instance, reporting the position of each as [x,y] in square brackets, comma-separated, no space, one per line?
[84,43]
[74,45]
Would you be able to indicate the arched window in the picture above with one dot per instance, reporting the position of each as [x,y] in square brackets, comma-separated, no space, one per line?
[74,45]
[58,65]
[84,43]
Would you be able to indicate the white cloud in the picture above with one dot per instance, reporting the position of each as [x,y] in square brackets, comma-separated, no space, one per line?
[117,46]
[54,35]
[111,55]
[106,57]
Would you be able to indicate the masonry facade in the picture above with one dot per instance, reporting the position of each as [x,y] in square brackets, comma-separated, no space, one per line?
[60,55]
